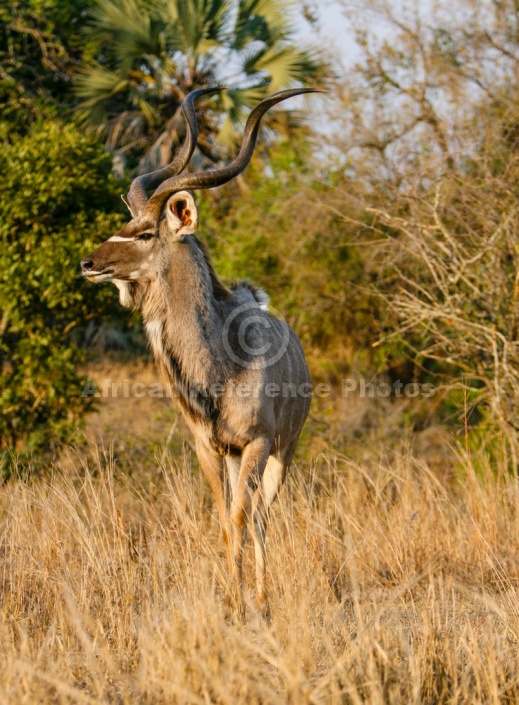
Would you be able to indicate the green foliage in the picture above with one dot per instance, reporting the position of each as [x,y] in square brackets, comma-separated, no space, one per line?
[40,46]
[56,195]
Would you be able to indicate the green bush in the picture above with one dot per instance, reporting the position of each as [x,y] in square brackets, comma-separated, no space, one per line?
[58,199]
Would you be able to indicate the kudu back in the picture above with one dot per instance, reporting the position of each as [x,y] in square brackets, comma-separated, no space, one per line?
[238,372]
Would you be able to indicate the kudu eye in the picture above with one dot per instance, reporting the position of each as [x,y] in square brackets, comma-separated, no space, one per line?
[146,236]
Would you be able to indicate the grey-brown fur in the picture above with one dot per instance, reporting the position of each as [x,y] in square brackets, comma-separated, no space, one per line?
[239,373]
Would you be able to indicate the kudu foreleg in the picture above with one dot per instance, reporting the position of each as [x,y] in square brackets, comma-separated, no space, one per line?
[254,460]
[212,467]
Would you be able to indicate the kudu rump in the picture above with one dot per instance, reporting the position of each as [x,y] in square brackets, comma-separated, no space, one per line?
[239,373]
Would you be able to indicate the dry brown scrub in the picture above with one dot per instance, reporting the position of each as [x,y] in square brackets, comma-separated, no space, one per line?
[387,587]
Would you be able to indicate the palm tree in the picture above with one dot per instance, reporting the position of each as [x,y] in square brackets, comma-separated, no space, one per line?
[148,54]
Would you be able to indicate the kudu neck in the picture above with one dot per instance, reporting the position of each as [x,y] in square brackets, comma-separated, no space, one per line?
[180,311]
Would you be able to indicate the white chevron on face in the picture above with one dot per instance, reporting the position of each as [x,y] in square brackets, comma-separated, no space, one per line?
[118,238]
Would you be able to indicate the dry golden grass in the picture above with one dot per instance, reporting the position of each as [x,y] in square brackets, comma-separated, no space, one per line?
[386,587]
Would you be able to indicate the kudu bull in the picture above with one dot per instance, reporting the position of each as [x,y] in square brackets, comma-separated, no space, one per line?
[239,373]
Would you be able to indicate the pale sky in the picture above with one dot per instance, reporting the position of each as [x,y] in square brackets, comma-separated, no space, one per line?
[332,31]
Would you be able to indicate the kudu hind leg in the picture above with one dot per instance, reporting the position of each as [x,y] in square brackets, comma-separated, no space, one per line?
[259,534]
[271,481]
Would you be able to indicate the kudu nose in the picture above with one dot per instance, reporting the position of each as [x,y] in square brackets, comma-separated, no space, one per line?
[87,264]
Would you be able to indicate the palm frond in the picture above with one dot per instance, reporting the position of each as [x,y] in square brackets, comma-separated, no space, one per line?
[167,11]
[202,21]
[235,100]
[217,16]
[261,20]
[99,87]
[127,28]
[147,110]
[96,84]
[284,65]
[235,103]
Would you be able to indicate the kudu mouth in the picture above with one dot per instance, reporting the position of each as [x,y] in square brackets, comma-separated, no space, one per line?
[95,275]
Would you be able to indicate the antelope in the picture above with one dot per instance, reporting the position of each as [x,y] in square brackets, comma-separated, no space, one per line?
[239,373]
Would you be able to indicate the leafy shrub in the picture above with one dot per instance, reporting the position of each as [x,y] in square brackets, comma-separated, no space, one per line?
[57,200]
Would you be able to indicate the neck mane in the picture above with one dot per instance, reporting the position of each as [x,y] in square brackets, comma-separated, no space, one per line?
[220,291]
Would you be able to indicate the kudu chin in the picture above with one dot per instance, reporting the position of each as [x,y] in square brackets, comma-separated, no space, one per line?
[238,372]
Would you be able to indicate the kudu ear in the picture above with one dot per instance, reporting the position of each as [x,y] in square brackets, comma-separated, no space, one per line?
[181,214]
[127,204]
